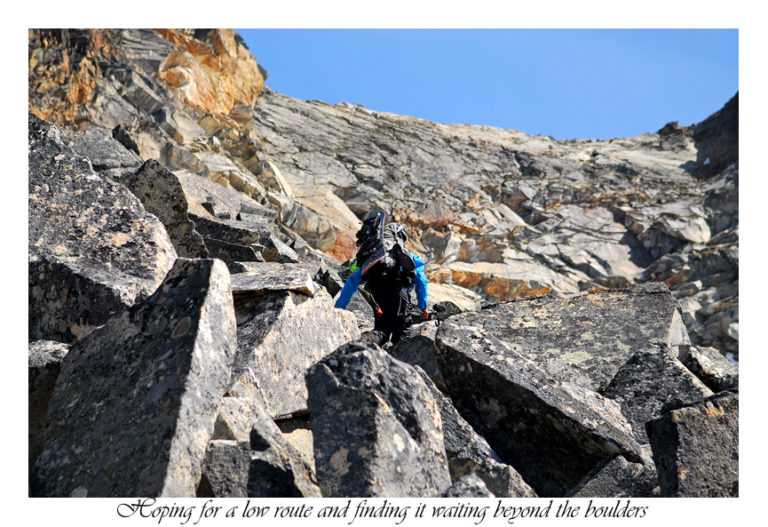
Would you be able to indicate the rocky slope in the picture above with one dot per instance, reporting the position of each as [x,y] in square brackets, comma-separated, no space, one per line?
[586,291]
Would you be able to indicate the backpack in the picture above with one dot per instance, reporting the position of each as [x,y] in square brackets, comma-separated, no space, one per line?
[382,255]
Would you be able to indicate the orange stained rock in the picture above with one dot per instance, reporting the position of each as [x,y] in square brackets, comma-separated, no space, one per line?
[213,77]
[344,248]
[78,80]
[496,286]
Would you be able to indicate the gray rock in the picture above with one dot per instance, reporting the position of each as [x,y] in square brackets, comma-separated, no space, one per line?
[445,309]
[616,477]
[468,453]
[161,194]
[122,136]
[714,370]
[275,250]
[315,229]
[93,250]
[648,381]
[237,416]
[107,155]
[469,486]
[277,468]
[225,469]
[233,253]
[696,448]
[177,158]
[389,442]
[270,278]
[584,339]
[329,278]
[264,464]
[145,386]
[552,432]
[417,347]
[279,337]
[45,358]
[232,231]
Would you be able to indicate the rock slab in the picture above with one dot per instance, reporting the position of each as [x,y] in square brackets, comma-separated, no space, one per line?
[552,433]
[377,429]
[136,400]
[584,339]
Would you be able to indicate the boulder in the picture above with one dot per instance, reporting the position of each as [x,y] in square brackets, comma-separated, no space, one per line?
[106,154]
[696,448]
[93,250]
[648,381]
[161,194]
[584,339]
[277,468]
[315,229]
[222,199]
[45,358]
[714,370]
[281,335]
[615,477]
[263,464]
[233,253]
[225,469]
[552,432]
[269,278]
[145,386]
[275,250]
[232,231]
[236,417]
[389,442]
[468,453]
[469,486]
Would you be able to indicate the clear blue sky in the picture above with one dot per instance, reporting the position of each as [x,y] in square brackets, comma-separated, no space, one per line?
[567,83]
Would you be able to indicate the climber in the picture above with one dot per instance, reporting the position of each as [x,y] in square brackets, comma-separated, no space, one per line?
[389,273]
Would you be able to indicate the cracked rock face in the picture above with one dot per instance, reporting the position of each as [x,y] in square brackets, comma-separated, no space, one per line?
[173,354]
[389,442]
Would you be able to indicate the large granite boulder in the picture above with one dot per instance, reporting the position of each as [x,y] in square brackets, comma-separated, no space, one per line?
[696,448]
[280,335]
[647,382]
[135,401]
[93,249]
[552,432]
[377,428]
[108,156]
[586,338]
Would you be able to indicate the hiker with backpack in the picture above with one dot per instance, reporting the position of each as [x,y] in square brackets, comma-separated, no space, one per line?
[389,273]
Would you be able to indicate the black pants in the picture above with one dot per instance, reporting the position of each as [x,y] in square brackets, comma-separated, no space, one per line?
[394,300]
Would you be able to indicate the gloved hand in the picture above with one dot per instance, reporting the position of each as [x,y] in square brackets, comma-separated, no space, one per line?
[424,314]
